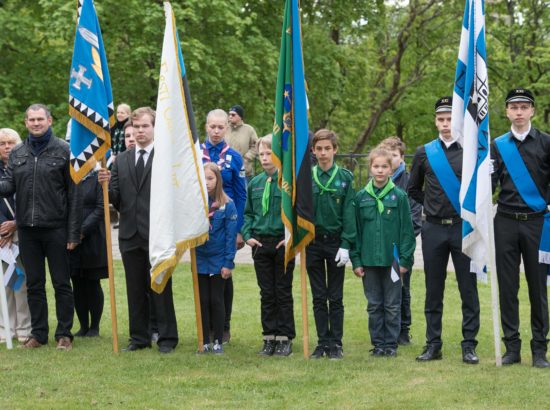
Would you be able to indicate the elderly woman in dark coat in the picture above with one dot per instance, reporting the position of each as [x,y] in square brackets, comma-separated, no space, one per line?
[89,259]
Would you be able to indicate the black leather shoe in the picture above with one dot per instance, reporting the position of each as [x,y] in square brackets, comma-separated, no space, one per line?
[469,355]
[81,332]
[132,347]
[390,352]
[319,352]
[283,348]
[430,353]
[404,338]
[268,348]
[377,352]
[226,337]
[165,349]
[511,358]
[539,360]
[336,353]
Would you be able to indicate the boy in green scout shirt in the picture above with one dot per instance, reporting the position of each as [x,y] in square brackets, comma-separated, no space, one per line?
[263,230]
[327,255]
[383,223]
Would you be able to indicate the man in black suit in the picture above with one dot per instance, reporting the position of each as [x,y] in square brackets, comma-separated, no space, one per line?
[130,192]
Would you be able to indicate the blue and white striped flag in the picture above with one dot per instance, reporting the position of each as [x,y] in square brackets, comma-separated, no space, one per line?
[470,124]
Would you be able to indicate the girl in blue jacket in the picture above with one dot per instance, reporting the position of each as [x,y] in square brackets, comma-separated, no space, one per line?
[215,259]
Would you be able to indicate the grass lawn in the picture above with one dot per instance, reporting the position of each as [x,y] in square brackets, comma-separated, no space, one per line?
[91,376]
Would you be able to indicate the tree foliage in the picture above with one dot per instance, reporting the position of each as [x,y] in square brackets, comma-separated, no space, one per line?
[374,68]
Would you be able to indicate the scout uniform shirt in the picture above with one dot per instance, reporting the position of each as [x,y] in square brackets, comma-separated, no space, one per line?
[377,232]
[333,204]
[256,222]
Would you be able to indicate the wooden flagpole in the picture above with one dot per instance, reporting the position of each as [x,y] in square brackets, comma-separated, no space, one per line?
[198,315]
[4,307]
[107,218]
[305,324]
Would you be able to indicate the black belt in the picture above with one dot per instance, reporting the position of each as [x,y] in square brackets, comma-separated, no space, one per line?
[521,216]
[268,238]
[328,237]
[444,221]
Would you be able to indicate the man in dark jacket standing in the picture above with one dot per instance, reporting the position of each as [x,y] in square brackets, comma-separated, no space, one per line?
[48,222]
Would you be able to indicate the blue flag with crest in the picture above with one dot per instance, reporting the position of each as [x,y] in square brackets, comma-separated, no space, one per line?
[470,125]
[90,96]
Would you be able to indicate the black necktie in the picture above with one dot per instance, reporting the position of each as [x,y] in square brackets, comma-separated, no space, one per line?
[140,166]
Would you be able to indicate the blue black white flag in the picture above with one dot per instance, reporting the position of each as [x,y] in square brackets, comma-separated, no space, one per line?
[395,270]
[470,124]
[90,95]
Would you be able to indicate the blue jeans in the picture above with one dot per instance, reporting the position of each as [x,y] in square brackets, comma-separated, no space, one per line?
[384,306]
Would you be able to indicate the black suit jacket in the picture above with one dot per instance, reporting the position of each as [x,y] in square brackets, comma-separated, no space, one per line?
[131,198]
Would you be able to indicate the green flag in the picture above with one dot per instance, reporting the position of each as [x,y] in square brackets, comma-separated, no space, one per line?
[291,150]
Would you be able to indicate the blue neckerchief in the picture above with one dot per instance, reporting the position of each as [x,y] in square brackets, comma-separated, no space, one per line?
[400,169]
[38,144]
[527,189]
[444,173]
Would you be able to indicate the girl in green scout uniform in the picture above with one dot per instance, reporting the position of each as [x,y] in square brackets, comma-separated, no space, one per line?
[328,254]
[383,224]
[264,232]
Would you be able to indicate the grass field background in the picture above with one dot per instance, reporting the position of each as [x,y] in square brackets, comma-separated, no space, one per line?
[91,376]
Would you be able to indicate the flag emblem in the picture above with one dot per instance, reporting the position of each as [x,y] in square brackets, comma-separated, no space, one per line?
[291,139]
[90,96]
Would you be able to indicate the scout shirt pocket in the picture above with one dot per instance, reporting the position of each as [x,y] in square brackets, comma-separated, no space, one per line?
[217,220]
[256,198]
[368,208]
[338,195]
[390,212]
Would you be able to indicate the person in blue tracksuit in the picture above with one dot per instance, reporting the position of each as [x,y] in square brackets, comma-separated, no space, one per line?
[215,258]
[230,164]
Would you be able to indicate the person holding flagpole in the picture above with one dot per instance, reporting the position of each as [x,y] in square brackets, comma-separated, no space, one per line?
[130,194]
[435,182]
[327,255]
[521,166]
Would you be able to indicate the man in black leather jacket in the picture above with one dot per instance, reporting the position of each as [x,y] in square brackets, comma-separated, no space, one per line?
[49,217]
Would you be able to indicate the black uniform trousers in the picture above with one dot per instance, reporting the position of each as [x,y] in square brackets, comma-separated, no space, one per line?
[36,245]
[327,288]
[228,302]
[211,290]
[135,257]
[514,240]
[277,304]
[438,242]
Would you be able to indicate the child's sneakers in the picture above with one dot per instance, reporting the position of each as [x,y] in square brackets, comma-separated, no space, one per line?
[217,348]
[283,348]
[206,348]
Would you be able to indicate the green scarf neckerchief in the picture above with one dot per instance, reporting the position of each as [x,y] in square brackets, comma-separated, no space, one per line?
[370,190]
[325,188]
[265,196]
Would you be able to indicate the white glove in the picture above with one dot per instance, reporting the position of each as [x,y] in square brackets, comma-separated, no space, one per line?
[491,166]
[342,257]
